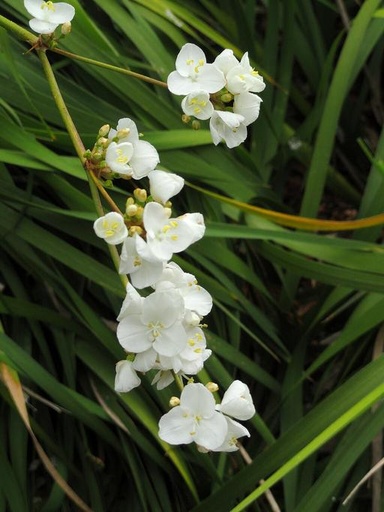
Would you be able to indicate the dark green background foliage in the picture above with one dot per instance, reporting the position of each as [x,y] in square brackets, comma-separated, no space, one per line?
[297,315]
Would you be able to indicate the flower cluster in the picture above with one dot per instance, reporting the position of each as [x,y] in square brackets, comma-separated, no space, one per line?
[223,92]
[47,16]
[196,418]
[163,330]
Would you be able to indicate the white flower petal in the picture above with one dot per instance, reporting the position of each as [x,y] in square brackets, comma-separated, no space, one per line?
[171,341]
[126,378]
[212,432]
[225,61]
[211,79]
[61,12]
[162,379]
[142,272]
[145,361]
[163,307]
[164,185]
[235,430]
[144,159]
[237,401]
[228,127]
[133,334]
[175,427]
[42,27]
[247,105]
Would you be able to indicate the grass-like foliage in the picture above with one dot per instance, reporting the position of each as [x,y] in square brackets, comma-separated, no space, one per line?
[292,257]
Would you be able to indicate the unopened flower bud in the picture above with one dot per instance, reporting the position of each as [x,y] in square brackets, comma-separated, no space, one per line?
[97,156]
[174,401]
[139,212]
[226,98]
[131,210]
[185,118]
[66,28]
[168,212]
[135,230]
[196,124]
[140,194]
[212,387]
[124,132]
[130,200]
[102,140]
[104,130]
[87,154]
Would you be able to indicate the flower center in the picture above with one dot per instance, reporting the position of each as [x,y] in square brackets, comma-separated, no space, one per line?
[48,5]
[121,157]
[110,228]
[155,329]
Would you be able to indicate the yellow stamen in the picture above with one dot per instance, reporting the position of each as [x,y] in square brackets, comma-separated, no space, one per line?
[48,5]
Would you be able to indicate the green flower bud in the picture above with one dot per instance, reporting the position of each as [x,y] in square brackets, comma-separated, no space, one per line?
[226,98]
[104,130]
[140,195]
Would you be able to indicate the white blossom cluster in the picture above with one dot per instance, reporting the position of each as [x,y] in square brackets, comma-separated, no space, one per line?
[197,418]
[223,92]
[163,330]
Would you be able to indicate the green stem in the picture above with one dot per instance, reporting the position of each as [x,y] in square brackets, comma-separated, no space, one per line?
[60,103]
[34,41]
[79,147]
[179,381]
[124,71]
[20,32]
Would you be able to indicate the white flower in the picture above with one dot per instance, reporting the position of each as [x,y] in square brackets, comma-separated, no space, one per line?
[243,78]
[247,105]
[126,377]
[143,273]
[235,430]
[237,401]
[191,359]
[118,157]
[164,185]
[197,104]
[158,325]
[111,227]
[165,235]
[196,299]
[194,420]
[47,16]
[225,61]
[229,127]
[193,73]
[130,155]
